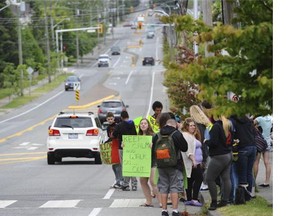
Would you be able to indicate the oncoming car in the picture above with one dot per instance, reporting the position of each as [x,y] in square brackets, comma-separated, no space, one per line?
[150,35]
[72,83]
[74,135]
[103,60]
[148,60]
[114,106]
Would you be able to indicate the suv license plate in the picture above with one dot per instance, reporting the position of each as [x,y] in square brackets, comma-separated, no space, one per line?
[72,136]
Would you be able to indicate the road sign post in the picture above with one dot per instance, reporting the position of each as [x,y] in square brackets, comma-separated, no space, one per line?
[77,95]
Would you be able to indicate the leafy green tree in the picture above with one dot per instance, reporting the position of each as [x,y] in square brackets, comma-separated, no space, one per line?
[11,77]
[242,63]
[8,38]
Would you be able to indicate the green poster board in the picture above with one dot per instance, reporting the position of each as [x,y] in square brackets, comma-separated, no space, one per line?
[136,155]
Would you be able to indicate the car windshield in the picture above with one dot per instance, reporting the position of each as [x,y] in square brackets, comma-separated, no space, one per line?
[111,104]
[72,78]
[103,57]
[80,122]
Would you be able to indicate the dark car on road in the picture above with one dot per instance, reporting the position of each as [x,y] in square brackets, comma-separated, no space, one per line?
[115,50]
[72,83]
[148,60]
[115,106]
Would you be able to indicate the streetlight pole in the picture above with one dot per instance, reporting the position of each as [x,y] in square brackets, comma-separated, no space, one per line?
[20,54]
[170,32]
[7,5]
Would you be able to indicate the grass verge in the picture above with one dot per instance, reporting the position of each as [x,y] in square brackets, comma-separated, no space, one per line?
[22,100]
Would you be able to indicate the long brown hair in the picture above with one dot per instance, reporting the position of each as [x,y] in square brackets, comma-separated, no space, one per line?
[185,127]
[149,129]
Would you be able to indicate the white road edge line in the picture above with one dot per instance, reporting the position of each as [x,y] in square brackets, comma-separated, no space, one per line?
[151,93]
[32,108]
[127,80]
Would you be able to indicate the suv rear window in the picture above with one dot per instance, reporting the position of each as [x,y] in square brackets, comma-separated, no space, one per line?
[111,104]
[79,122]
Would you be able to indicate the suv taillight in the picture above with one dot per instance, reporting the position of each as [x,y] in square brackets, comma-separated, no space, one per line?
[92,132]
[53,132]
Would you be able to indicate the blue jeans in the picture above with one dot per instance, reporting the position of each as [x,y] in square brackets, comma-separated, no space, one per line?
[234,181]
[246,158]
[117,169]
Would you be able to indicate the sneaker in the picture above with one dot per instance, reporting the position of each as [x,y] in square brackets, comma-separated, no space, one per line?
[134,188]
[213,206]
[222,203]
[116,186]
[125,188]
[196,203]
[204,187]
[188,203]
[175,213]
[264,185]
[164,213]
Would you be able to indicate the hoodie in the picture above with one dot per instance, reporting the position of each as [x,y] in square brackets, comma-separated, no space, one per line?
[217,142]
[244,131]
[124,128]
[179,142]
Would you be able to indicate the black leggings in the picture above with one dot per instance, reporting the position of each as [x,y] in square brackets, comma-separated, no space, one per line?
[194,183]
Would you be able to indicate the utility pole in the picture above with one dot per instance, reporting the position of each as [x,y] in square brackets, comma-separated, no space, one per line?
[47,43]
[195,17]
[227,12]
[207,18]
[20,54]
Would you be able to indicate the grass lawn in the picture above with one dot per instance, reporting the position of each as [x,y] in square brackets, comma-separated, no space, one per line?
[19,101]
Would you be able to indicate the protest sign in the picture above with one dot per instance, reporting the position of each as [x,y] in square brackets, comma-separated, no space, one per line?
[136,155]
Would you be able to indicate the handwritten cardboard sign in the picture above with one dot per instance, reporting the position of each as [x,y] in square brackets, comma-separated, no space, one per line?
[136,155]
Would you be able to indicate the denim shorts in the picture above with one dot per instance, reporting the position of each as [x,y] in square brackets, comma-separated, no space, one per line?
[170,180]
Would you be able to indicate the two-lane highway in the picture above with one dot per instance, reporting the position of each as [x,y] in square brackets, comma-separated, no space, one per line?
[76,187]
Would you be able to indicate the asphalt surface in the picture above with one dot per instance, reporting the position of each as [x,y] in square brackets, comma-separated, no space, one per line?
[266,193]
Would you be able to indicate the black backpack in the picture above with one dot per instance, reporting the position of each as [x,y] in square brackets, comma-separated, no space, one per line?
[166,155]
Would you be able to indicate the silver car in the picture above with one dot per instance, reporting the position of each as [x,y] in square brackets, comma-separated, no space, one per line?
[114,106]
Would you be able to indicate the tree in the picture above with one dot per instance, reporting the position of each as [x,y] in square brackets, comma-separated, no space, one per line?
[242,63]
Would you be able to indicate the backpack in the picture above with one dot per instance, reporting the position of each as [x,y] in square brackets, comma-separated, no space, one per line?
[166,155]
[242,195]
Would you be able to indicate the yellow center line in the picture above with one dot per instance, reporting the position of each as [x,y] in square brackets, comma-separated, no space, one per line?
[27,129]
[2,140]
[19,160]
[22,153]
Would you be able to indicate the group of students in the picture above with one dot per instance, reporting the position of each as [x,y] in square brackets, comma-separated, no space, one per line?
[204,156]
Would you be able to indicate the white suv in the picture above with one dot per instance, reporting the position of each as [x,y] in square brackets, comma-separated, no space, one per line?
[75,135]
[104,60]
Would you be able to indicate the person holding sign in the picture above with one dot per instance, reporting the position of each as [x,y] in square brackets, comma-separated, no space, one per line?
[125,127]
[117,169]
[145,129]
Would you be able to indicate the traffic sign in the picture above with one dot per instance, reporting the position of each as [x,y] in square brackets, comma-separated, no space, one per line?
[76,86]
[77,95]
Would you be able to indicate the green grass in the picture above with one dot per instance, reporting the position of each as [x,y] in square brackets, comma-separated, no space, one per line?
[255,207]
[22,100]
